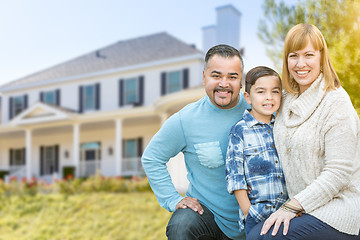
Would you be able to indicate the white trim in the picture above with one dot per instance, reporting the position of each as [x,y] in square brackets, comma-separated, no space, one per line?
[103,72]
[40,113]
[28,141]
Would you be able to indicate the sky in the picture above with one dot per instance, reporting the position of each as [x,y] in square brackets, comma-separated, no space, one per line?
[38,34]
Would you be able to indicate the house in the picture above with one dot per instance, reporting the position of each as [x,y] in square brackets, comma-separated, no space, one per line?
[97,112]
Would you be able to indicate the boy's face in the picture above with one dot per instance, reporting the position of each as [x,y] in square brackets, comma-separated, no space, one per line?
[264,98]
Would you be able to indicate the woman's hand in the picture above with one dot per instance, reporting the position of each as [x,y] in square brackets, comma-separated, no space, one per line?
[278,217]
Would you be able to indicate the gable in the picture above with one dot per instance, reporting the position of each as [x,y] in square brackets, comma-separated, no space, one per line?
[41,113]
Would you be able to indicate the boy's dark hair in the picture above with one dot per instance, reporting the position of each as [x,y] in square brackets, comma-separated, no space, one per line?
[225,51]
[256,73]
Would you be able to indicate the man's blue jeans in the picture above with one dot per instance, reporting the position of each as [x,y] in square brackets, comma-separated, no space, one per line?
[305,227]
[185,224]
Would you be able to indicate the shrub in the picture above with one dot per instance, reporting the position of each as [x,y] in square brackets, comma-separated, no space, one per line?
[70,185]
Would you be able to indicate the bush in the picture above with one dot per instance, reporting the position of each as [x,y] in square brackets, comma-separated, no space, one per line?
[70,185]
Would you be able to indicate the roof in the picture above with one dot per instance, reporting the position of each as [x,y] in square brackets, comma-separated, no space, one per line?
[160,46]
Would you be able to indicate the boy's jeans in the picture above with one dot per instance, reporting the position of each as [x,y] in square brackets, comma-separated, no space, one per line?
[249,224]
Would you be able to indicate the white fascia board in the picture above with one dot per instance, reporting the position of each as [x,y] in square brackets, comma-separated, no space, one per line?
[104,72]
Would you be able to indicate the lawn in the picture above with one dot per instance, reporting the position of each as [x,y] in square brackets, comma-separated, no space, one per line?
[82,216]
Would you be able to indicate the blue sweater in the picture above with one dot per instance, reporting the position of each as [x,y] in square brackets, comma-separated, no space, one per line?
[201,131]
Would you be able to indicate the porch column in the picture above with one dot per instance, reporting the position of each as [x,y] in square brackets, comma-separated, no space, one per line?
[28,143]
[76,150]
[118,146]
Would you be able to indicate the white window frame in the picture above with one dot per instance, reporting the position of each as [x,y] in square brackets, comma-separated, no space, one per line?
[136,79]
[92,99]
[48,162]
[17,110]
[168,81]
[46,94]
[18,152]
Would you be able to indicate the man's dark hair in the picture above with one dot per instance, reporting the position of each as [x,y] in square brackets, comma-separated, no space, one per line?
[256,73]
[225,51]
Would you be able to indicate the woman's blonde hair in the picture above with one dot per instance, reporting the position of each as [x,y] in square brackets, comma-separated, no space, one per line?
[297,39]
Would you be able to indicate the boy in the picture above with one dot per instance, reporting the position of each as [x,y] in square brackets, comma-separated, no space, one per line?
[251,158]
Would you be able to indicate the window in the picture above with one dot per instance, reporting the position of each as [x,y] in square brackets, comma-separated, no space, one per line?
[17,105]
[17,157]
[49,159]
[174,83]
[49,97]
[89,97]
[49,163]
[130,150]
[131,91]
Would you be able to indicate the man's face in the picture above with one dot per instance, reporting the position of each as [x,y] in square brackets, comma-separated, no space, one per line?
[222,81]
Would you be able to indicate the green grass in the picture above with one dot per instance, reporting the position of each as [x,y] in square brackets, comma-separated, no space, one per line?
[84,216]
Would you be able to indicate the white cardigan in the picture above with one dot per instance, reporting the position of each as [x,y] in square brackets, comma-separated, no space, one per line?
[317,137]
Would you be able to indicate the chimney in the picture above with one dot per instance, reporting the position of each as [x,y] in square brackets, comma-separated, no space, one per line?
[226,30]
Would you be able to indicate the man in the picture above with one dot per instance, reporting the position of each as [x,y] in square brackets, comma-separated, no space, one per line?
[201,131]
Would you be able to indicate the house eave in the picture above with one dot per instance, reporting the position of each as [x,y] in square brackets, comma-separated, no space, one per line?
[192,57]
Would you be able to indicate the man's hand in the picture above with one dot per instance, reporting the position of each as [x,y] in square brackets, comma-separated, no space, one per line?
[189,202]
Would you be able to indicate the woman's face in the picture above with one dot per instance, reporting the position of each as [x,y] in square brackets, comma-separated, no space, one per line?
[304,66]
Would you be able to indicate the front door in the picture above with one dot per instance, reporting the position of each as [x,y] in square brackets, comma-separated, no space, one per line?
[90,158]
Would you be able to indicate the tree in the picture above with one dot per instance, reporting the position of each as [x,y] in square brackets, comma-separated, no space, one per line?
[339,22]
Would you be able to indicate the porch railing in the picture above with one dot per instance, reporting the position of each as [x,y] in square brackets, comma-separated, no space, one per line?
[88,168]
[18,172]
[132,166]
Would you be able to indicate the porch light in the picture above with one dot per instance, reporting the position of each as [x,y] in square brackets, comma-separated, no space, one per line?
[110,151]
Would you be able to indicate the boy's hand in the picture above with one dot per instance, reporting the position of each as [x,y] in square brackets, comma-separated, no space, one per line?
[189,202]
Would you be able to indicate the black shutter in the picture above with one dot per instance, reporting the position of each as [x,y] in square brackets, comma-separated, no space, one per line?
[141,90]
[41,96]
[140,146]
[25,102]
[24,156]
[97,96]
[185,78]
[123,148]
[57,95]
[11,156]
[81,99]
[41,160]
[163,83]
[57,158]
[11,108]
[121,92]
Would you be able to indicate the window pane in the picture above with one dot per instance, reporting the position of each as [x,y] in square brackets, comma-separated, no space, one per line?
[49,97]
[18,157]
[174,82]
[90,145]
[131,90]
[18,105]
[90,155]
[89,97]
[130,148]
[49,160]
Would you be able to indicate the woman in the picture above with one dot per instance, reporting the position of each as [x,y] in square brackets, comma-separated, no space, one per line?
[317,134]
